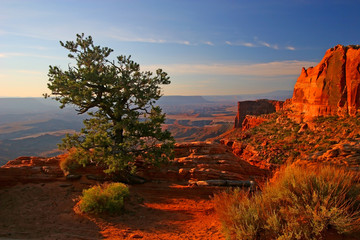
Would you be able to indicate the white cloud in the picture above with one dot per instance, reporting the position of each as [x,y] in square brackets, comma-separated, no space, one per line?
[209,43]
[247,44]
[290,48]
[283,68]
[184,42]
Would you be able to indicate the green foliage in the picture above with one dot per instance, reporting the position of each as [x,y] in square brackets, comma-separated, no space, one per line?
[124,123]
[300,203]
[108,198]
[70,161]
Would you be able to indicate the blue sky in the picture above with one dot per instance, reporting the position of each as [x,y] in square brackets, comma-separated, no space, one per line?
[207,47]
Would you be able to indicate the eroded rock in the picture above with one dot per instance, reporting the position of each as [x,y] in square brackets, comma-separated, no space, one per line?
[330,88]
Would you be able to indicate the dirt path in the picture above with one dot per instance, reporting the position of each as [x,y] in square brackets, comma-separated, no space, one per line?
[157,211]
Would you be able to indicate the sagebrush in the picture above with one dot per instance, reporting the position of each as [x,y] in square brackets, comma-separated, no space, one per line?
[301,202]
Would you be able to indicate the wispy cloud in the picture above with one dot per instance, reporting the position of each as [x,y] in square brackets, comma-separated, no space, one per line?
[184,42]
[32,72]
[21,54]
[283,68]
[268,45]
[209,43]
[23,34]
[259,43]
[245,44]
[148,40]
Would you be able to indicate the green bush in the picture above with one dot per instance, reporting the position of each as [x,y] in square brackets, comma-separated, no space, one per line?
[107,198]
[299,203]
[69,162]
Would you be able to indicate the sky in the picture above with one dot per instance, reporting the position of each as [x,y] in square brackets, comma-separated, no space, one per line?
[208,47]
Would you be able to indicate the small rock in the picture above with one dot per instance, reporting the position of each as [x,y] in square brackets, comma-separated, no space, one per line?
[136,236]
[73,177]
[95,177]
[202,183]
[303,127]
[45,169]
[65,185]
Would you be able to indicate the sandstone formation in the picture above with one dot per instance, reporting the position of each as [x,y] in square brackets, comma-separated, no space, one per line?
[330,88]
[200,161]
[258,107]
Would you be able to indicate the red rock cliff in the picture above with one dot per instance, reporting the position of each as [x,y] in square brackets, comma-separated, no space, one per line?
[330,88]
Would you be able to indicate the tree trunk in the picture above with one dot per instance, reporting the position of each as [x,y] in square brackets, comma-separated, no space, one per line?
[119,133]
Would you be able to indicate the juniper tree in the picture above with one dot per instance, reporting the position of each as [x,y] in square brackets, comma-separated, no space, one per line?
[124,122]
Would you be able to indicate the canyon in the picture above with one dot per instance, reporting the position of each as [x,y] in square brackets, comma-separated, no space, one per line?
[245,145]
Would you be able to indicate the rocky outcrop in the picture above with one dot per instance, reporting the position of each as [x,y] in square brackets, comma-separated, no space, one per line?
[330,88]
[197,161]
[200,161]
[30,170]
[258,107]
[251,121]
[344,153]
[42,170]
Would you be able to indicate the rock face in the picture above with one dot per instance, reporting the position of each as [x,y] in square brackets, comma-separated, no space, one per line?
[199,161]
[251,121]
[330,88]
[258,107]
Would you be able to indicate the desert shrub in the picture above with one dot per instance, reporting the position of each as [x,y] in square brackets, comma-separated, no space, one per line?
[69,161]
[299,203]
[108,198]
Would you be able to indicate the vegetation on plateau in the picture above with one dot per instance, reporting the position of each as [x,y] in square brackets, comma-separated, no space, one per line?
[301,202]
[280,140]
[124,122]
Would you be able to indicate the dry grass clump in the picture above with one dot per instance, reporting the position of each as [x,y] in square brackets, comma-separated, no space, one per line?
[301,202]
[108,198]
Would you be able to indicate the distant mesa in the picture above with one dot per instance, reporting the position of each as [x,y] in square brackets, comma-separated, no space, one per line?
[181,100]
[332,87]
[255,108]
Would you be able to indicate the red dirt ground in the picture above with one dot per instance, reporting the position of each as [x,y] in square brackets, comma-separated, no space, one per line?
[157,210]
